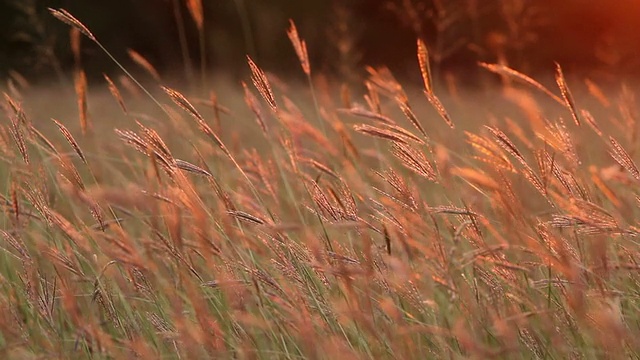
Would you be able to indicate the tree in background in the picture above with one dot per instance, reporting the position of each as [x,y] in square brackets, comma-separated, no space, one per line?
[341,35]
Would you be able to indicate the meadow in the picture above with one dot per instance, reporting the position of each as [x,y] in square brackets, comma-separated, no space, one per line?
[267,220]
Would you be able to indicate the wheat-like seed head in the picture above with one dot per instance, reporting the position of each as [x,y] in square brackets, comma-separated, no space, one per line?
[505,143]
[64,16]
[113,89]
[18,137]
[393,133]
[261,83]
[425,69]
[622,157]
[300,46]
[81,98]
[410,115]
[254,105]
[187,166]
[566,94]
[70,139]
[415,160]
[513,74]
[182,101]
[437,104]
[144,63]
[360,111]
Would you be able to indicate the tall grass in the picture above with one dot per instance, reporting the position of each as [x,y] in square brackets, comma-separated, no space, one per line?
[389,234]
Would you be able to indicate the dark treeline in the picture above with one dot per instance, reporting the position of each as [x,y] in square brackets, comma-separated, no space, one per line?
[596,36]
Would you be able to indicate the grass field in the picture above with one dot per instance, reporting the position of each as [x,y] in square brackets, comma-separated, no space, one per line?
[269,220]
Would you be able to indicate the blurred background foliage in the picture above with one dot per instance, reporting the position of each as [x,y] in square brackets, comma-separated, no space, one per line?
[600,37]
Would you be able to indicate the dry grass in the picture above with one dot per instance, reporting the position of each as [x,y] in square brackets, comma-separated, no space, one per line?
[381,232]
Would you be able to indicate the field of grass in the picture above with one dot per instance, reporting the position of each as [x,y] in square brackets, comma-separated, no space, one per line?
[269,220]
